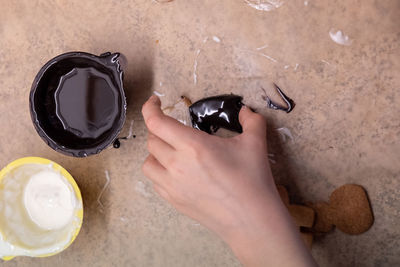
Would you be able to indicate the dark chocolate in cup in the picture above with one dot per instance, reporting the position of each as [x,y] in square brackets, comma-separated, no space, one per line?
[77,102]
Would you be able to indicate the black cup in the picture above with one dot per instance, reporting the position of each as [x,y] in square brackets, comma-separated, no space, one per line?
[77,102]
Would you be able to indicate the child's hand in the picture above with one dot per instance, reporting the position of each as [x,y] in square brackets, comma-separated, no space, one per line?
[224,183]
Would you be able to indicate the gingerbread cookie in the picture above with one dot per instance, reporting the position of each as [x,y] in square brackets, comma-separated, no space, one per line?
[303,216]
[348,209]
[351,209]
[323,217]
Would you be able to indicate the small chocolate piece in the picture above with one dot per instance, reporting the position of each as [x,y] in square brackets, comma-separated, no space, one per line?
[210,114]
[289,102]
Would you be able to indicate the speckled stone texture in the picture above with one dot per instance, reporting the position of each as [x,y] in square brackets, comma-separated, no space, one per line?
[346,124]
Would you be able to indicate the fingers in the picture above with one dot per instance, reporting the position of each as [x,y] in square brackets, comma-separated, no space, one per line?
[155,171]
[160,150]
[252,123]
[163,126]
[162,192]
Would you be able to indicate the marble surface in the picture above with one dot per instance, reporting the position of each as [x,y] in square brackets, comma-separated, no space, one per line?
[346,124]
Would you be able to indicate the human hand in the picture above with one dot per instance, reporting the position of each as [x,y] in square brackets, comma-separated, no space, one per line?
[224,183]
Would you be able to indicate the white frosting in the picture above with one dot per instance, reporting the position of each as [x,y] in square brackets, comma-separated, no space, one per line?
[38,211]
[339,37]
[264,5]
[285,133]
[216,39]
[158,93]
[48,200]
[9,250]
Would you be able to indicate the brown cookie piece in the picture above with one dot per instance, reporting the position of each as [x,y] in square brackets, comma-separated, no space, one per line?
[303,216]
[350,209]
[308,239]
[323,217]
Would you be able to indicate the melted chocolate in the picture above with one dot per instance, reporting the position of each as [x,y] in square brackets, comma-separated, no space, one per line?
[210,114]
[289,102]
[78,103]
[86,102]
[117,143]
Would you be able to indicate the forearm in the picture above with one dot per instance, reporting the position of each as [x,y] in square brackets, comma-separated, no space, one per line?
[268,237]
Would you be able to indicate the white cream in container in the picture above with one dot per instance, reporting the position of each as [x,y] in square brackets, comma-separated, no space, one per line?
[40,208]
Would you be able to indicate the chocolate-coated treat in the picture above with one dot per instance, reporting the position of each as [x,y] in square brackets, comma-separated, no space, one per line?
[210,114]
[77,102]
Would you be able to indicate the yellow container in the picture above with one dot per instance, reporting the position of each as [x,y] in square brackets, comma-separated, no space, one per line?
[37,160]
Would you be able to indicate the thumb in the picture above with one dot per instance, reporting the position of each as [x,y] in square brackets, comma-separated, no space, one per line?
[252,123]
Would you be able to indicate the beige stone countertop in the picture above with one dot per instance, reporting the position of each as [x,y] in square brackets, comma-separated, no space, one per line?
[345,126]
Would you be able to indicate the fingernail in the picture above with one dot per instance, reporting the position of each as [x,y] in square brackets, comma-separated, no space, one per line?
[155,99]
[250,108]
[244,107]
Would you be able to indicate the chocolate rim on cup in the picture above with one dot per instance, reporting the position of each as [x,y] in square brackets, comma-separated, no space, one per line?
[77,102]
